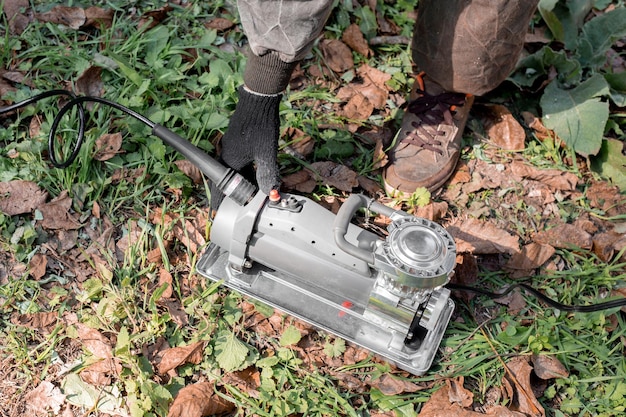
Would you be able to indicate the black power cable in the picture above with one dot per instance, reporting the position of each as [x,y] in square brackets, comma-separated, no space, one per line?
[621,302]
[210,168]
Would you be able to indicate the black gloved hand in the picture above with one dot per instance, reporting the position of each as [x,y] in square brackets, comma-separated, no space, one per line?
[252,140]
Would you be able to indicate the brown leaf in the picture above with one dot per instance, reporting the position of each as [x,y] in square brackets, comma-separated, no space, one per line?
[480,238]
[14,16]
[177,312]
[380,156]
[531,256]
[101,373]
[95,343]
[73,17]
[439,405]
[219,23]
[177,356]
[38,321]
[514,301]
[354,38]
[98,17]
[457,394]
[337,55]
[34,127]
[43,400]
[199,400]
[56,214]
[564,236]
[503,129]
[358,108]
[165,278]
[153,17]
[336,175]
[19,197]
[548,367]
[607,244]
[389,385]
[461,174]
[370,186]
[247,380]
[299,142]
[90,82]
[37,265]
[433,211]
[301,181]
[107,146]
[523,399]
[554,178]
[465,273]
[189,170]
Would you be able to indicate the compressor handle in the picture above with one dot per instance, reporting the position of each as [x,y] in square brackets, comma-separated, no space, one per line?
[225,179]
[342,221]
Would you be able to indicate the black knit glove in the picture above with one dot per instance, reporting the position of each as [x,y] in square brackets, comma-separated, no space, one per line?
[252,141]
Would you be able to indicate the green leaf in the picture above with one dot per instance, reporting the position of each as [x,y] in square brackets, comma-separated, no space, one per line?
[291,335]
[230,352]
[541,62]
[577,115]
[336,348]
[617,82]
[367,22]
[599,34]
[104,399]
[611,163]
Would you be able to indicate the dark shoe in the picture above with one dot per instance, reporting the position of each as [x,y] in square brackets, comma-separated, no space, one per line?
[427,147]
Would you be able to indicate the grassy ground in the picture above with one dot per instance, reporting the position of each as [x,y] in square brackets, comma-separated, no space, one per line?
[102,314]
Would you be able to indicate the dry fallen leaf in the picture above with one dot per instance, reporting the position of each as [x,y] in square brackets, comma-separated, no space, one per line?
[531,256]
[554,178]
[358,108]
[337,55]
[564,236]
[74,17]
[336,175]
[481,237]
[190,170]
[219,23]
[57,214]
[503,129]
[37,265]
[107,146]
[300,181]
[390,385]
[19,197]
[44,399]
[94,342]
[354,38]
[199,400]
[101,373]
[247,380]
[39,321]
[607,244]
[165,278]
[441,405]
[548,367]
[523,398]
[299,142]
[14,16]
[90,82]
[152,18]
[433,211]
[98,17]
[177,356]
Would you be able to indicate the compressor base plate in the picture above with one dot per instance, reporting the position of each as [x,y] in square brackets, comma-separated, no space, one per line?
[313,303]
